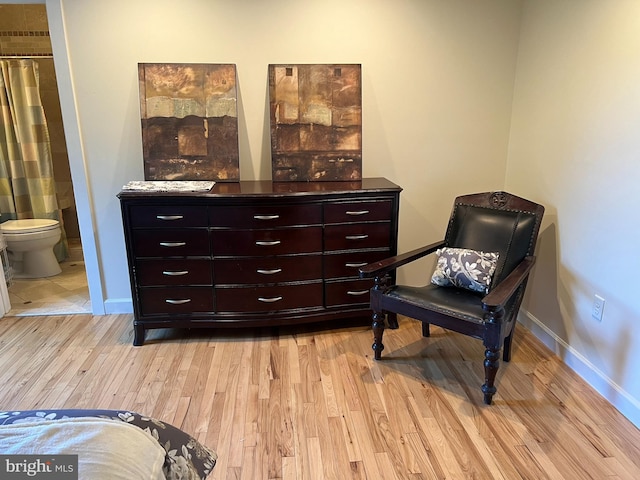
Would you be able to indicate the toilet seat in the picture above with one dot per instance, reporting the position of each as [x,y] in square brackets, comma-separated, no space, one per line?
[28,225]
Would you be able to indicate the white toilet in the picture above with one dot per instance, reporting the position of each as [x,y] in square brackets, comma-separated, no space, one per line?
[30,245]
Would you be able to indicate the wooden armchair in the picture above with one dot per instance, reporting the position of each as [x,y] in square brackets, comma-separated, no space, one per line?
[484,294]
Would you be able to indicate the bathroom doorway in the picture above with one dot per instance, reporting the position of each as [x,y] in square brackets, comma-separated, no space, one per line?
[24,33]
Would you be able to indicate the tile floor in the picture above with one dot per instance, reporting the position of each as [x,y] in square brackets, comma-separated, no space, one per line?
[62,294]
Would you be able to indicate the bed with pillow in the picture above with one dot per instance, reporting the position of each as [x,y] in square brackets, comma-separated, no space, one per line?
[113,444]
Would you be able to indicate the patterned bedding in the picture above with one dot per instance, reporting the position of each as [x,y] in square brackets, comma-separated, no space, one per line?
[185,458]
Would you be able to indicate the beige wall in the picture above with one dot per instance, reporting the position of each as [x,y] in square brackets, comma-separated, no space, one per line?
[575,146]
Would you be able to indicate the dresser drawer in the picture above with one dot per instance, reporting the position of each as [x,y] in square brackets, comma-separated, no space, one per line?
[174,300]
[349,292]
[267,242]
[269,298]
[184,271]
[337,265]
[357,236]
[265,216]
[260,270]
[347,212]
[170,243]
[170,216]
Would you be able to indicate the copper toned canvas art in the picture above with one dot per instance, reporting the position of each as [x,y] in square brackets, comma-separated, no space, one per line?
[189,121]
[316,122]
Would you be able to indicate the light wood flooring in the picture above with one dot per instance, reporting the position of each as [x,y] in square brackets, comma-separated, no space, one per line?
[310,403]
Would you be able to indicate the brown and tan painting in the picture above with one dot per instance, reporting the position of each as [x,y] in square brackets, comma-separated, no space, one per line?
[316,122]
[189,121]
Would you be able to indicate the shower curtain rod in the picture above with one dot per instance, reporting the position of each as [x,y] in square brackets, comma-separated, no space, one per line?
[32,57]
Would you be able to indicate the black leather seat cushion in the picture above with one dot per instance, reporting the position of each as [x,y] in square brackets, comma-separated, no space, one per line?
[452,301]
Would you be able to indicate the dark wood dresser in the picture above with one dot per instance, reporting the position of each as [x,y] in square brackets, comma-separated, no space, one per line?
[256,253]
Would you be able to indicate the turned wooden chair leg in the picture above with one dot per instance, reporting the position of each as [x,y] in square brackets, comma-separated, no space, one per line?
[491,364]
[378,330]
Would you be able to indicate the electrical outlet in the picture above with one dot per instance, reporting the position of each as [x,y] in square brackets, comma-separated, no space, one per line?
[598,307]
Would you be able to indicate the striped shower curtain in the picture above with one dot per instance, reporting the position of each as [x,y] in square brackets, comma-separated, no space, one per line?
[27,186]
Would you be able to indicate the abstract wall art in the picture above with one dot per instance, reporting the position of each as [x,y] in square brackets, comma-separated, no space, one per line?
[189,121]
[316,122]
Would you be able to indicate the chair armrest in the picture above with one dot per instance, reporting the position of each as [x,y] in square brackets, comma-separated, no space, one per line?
[502,292]
[375,269]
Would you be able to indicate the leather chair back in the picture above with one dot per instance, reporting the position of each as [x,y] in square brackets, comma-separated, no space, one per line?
[495,222]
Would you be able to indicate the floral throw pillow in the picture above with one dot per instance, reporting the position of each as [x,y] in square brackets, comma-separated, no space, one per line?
[464,268]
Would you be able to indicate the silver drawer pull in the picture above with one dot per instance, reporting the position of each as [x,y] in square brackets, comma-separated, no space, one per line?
[169,217]
[178,302]
[269,272]
[357,212]
[357,292]
[266,217]
[269,300]
[174,273]
[355,265]
[173,244]
[265,243]
[356,237]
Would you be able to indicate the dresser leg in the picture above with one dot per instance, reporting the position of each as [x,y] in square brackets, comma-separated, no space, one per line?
[138,334]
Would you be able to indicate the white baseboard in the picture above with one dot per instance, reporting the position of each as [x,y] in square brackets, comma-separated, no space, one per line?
[118,305]
[605,386]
